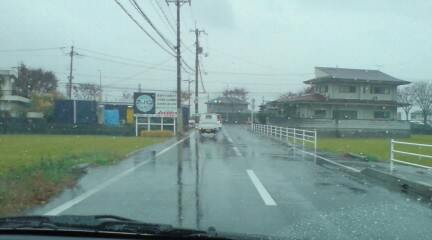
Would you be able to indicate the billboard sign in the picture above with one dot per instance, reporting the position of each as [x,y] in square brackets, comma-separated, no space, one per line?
[155,104]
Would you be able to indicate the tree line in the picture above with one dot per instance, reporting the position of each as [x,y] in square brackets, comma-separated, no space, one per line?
[416,94]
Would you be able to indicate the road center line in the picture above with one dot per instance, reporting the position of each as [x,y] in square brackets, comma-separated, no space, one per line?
[96,189]
[237,151]
[268,200]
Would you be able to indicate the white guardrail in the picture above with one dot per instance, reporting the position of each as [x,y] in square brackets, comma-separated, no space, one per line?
[393,151]
[297,136]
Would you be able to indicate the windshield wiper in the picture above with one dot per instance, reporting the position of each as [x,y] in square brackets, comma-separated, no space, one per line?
[27,222]
[100,223]
[109,224]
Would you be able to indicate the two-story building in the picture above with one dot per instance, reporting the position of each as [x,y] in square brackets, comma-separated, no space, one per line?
[9,101]
[367,98]
[351,94]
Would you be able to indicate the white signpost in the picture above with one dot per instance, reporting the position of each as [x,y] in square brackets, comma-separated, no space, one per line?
[155,105]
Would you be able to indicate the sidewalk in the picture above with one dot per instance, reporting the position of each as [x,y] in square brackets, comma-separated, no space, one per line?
[407,178]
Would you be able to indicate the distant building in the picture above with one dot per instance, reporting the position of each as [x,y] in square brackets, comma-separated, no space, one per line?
[418,116]
[232,110]
[227,105]
[366,96]
[9,101]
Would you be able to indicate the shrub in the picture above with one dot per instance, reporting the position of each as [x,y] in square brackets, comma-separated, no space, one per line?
[157,133]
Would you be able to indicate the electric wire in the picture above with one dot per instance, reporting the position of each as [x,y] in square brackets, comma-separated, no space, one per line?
[166,18]
[113,56]
[31,50]
[138,8]
[154,40]
[202,83]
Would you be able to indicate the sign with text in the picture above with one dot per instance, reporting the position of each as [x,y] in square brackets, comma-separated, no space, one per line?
[155,104]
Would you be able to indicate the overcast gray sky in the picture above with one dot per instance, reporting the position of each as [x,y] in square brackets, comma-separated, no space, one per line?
[266,46]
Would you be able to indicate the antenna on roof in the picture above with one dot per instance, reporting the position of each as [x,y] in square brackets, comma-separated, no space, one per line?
[379,67]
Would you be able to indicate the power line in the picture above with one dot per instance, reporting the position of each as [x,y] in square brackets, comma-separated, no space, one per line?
[128,64]
[261,74]
[188,65]
[138,8]
[246,60]
[193,17]
[113,56]
[166,18]
[31,50]
[143,71]
[202,83]
[154,40]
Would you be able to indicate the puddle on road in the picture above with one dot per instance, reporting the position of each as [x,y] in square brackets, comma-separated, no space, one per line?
[323,184]
[279,157]
[351,188]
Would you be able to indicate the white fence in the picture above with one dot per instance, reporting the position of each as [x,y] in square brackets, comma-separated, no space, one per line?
[393,151]
[149,123]
[297,136]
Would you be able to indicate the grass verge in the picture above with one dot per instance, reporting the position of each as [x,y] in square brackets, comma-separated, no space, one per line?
[378,149]
[33,168]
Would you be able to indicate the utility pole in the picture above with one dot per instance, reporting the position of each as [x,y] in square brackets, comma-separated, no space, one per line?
[198,50]
[189,82]
[70,73]
[179,108]
[100,85]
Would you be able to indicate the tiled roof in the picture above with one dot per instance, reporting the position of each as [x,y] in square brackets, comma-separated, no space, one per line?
[355,74]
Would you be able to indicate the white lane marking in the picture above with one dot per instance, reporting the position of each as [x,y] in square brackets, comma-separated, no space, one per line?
[96,189]
[168,148]
[227,136]
[237,151]
[328,160]
[268,200]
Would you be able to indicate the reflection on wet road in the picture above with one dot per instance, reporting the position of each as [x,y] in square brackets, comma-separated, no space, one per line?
[240,182]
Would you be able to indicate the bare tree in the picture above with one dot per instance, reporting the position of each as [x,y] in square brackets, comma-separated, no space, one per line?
[126,96]
[292,95]
[185,96]
[423,97]
[86,91]
[240,93]
[407,96]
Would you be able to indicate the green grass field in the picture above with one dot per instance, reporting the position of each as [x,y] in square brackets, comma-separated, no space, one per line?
[23,150]
[33,168]
[379,149]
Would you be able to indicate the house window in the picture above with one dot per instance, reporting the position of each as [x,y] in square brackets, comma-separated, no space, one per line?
[347,89]
[319,113]
[382,114]
[380,90]
[344,114]
[323,89]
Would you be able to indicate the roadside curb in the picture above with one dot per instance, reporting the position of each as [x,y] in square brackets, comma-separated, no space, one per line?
[406,185]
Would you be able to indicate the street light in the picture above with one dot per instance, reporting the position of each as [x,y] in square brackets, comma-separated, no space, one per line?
[228,100]
[100,85]
[252,108]
[227,88]
[189,95]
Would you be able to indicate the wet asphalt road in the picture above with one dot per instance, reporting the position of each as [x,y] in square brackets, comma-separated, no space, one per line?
[239,181]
